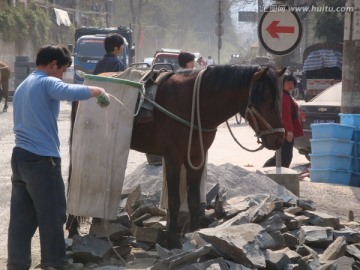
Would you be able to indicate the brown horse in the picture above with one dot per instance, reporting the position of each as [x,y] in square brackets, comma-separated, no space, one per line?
[4,81]
[224,91]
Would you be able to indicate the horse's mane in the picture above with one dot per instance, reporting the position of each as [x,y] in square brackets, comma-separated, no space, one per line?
[222,77]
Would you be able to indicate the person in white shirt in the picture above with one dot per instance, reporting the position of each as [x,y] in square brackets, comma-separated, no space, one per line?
[210,61]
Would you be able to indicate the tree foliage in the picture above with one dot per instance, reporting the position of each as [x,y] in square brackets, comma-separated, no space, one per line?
[330,25]
[19,24]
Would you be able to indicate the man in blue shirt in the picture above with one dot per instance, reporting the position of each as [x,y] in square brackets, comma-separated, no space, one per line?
[114,46]
[38,193]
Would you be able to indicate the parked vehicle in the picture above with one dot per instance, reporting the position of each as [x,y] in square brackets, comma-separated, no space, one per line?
[166,58]
[324,108]
[148,60]
[322,65]
[89,48]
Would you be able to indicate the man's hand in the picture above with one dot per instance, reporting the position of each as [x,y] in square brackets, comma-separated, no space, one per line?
[103,100]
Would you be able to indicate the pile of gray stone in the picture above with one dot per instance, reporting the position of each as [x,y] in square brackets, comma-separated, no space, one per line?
[250,222]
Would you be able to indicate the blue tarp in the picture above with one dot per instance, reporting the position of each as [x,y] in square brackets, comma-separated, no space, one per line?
[323,58]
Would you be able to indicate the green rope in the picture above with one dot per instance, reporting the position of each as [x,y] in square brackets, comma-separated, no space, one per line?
[177,118]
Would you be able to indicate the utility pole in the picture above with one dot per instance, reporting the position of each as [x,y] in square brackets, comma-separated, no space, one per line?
[350,100]
[219,18]
[109,10]
[77,13]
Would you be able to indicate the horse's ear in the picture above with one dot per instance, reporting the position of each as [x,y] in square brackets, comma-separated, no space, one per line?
[279,73]
[259,74]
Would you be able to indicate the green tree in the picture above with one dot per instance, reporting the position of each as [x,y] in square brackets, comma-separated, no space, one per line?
[20,24]
[330,25]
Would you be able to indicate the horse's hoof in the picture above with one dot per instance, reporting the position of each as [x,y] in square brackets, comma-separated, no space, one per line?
[5,110]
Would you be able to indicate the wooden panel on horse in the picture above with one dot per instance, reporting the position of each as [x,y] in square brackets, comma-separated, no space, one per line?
[100,149]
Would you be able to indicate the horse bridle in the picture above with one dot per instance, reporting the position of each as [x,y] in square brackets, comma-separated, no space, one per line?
[255,116]
[252,113]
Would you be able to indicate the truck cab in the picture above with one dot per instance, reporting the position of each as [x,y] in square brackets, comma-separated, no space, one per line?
[89,49]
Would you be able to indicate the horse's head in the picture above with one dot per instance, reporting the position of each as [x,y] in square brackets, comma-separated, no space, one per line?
[264,108]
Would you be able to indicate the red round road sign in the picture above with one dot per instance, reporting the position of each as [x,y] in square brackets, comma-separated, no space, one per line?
[279,30]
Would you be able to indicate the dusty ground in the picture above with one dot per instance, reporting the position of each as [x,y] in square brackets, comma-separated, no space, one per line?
[332,199]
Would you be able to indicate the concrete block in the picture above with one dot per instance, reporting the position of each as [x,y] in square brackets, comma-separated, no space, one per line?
[289,178]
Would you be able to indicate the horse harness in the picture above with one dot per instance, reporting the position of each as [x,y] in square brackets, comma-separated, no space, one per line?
[252,113]
[153,81]
[255,116]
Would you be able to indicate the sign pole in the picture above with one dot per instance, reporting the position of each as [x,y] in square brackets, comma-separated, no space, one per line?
[280,33]
[219,18]
[219,38]
[279,61]
[219,47]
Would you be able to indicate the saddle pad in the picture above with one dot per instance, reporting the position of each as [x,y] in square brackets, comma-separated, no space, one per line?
[100,149]
[133,74]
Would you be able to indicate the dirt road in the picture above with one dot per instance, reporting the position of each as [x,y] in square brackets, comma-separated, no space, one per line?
[332,199]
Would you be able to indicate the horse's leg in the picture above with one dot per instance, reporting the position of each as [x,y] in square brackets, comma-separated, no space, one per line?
[193,197]
[173,183]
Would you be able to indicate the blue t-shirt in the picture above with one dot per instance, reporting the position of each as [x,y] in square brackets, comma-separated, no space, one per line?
[109,63]
[36,110]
